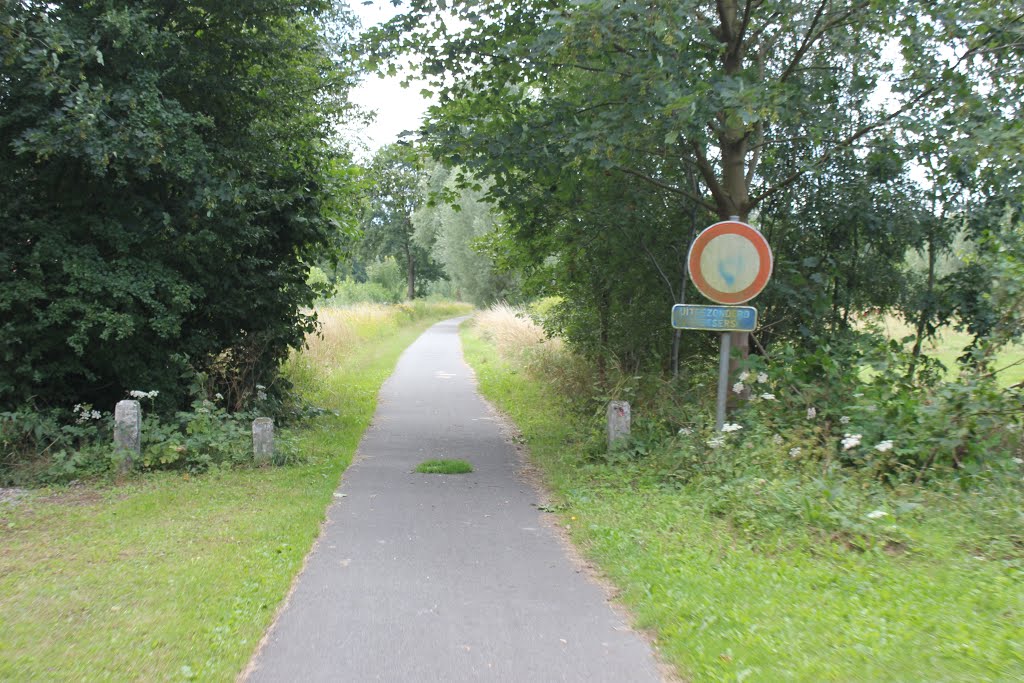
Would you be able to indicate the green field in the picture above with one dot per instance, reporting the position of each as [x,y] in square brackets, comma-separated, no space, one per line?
[172,577]
[949,344]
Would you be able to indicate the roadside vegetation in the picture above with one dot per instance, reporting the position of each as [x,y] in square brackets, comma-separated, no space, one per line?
[175,575]
[783,548]
[173,214]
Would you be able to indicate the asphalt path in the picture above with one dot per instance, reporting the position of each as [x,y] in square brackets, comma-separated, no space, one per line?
[443,577]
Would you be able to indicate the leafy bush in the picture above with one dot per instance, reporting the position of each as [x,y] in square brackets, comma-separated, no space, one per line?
[61,445]
[52,447]
[857,403]
[866,407]
[196,439]
[162,195]
[385,284]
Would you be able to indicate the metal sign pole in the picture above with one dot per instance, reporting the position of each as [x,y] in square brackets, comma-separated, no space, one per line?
[723,380]
[730,263]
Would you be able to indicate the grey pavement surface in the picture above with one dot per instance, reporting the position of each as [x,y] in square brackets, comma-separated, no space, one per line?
[443,577]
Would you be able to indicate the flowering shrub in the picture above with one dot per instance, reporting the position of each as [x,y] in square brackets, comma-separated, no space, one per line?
[858,399]
[58,446]
[64,447]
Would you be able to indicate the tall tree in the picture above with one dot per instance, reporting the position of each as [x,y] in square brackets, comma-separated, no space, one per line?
[760,101]
[395,176]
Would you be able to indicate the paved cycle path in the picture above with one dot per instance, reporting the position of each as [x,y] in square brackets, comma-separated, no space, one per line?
[443,577]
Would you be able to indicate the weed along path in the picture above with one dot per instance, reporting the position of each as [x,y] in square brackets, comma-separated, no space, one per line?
[443,577]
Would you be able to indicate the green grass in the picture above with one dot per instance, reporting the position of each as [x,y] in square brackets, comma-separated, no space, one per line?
[788,601]
[170,577]
[444,466]
[949,344]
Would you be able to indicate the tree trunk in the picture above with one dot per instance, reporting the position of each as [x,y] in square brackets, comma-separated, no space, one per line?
[734,200]
[677,337]
[926,309]
[410,274]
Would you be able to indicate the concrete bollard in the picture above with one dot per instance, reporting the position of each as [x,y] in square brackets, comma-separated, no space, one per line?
[618,421]
[127,433]
[263,440]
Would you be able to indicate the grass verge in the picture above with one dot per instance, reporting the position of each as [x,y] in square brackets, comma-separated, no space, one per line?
[171,577]
[734,591]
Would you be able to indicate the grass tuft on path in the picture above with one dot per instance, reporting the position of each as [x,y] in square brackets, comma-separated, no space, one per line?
[444,466]
[172,577]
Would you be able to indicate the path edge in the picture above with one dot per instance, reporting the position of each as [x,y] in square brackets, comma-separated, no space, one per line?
[532,475]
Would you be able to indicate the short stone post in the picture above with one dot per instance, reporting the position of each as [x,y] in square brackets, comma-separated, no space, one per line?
[262,440]
[127,433]
[618,422]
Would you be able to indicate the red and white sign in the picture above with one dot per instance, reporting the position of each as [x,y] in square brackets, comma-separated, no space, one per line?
[730,262]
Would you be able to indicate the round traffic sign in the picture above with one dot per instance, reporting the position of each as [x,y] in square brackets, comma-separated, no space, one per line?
[730,262]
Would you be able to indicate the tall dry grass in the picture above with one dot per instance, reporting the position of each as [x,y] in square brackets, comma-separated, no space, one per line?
[518,338]
[341,330]
[347,329]
[512,331]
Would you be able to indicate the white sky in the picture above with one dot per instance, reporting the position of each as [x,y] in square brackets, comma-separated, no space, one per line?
[397,109]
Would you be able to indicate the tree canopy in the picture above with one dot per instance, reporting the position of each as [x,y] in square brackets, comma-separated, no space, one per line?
[458,235]
[805,118]
[169,168]
[395,175]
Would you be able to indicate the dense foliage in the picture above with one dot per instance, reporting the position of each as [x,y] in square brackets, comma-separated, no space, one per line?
[394,175]
[457,235]
[611,131]
[169,168]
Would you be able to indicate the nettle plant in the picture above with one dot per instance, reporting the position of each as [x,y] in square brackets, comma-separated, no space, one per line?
[867,403]
[66,445]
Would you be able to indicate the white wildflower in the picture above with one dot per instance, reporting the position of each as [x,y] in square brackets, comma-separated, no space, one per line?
[762,377]
[731,427]
[777,439]
[260,386]
[219,396]
[716,441]
[876,514]
[685,431]
[153,394]
[1019,461]
[767,396]
[135,393]
[737,388]
[851,441]
[261,395]
[858,394]
[884,446]
[95,415]
[78,407]
[844,420]
[744,376]
[795,452]
[812,413]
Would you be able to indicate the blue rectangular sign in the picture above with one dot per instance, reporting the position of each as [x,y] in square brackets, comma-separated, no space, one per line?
[715,318]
